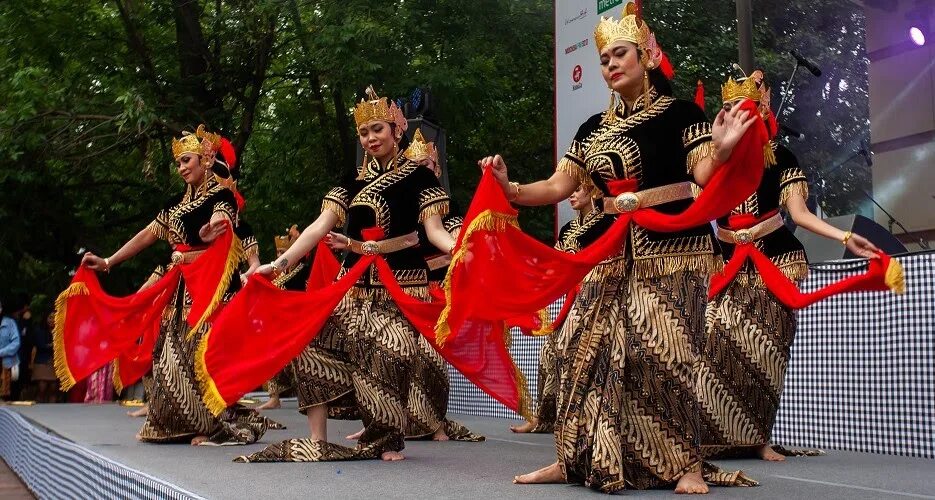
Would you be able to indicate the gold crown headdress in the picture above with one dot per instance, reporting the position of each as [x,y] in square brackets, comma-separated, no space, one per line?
[202,143]
[285,241]
[752,87]
[381,109]
[629,28]
[420,149]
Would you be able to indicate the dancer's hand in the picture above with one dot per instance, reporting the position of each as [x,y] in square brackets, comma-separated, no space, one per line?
[266,270]
[858,245]
[729,127]
[335,241]
[94,262]
[499,170]
[210,231]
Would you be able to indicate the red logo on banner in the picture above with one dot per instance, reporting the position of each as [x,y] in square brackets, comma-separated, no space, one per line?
[576,73]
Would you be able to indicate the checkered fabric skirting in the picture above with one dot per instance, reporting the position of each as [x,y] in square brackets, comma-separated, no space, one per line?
[54,468]
[861,376]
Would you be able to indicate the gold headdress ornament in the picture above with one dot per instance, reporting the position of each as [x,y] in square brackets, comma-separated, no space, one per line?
[752,87]
[376,108]
[420,149]
[380,109]
[202,143]
[285,241]
[630,28]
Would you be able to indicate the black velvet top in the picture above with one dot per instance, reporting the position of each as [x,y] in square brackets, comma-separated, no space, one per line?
[583,230]
[396,199]
[658,144]
[779,182]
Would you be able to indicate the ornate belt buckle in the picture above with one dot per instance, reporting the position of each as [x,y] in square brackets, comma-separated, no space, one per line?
[743,236]
[627,202]
[176,258]
[370,247]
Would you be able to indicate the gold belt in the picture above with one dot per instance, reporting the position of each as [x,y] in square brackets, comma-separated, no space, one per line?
[371,247]
[752,233]
[630,201]
[185,257]
[438,262]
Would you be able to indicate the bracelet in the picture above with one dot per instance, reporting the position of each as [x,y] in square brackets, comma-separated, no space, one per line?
[106,264]
[451,250]
[847,236]
[276,269]
[518,188]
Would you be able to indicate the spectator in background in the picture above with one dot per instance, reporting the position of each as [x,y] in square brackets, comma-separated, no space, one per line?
[43,371]
[9,347]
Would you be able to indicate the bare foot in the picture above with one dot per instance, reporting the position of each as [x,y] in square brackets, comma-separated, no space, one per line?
[139,412]
[271,404]
[197,440]
[525,426]
[355,436]
[546,475]
[767,453]
[692,483]
[440,434]
[392,456]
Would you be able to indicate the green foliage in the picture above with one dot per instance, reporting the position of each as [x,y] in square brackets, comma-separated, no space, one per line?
[94,92]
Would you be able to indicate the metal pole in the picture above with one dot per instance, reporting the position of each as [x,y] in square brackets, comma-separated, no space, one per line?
[745,34]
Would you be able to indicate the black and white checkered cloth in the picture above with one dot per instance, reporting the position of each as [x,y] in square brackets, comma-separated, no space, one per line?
[55,468]
[861,376]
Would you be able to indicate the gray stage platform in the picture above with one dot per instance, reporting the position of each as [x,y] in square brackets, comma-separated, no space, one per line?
[444,470]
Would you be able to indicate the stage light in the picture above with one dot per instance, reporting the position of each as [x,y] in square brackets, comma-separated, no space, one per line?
[917,36]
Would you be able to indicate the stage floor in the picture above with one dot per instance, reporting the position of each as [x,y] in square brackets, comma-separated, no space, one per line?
[445,470]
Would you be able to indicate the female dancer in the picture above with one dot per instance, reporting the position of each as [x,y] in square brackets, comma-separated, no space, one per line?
[367,349]
[189,222]
[748,331]
[626,409]
[574,235]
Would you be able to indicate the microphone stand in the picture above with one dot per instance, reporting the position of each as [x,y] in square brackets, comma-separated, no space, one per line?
[892,219]
[788,91]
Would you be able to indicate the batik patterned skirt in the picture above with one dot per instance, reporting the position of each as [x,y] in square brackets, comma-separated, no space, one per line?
[177,412]
[627,413]
[748,335]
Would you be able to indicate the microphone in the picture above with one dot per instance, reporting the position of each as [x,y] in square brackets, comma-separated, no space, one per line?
[865,152]
[791,132]
[805,63]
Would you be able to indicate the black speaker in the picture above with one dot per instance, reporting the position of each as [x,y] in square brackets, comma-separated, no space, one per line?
[821,249]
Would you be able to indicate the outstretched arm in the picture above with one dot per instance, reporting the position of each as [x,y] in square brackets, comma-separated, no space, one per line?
[137,244]
[545,192]
[802,216]
[303,245]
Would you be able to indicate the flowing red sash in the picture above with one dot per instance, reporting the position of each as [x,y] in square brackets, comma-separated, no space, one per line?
[93,328]
[263,328]
[883,273]
[499,272]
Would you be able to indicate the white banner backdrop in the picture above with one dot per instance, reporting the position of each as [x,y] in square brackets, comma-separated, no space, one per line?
[580,90]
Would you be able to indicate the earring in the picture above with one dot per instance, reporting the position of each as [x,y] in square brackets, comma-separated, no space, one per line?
[611,114]
[395,155]
[363,168]
[646,89]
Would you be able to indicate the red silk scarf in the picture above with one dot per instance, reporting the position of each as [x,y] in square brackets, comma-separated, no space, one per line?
[883,273]
[93,328]
[498,272]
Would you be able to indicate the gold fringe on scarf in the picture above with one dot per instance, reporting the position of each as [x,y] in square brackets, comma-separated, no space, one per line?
[895,277]
[62,371]
[488,220]
[209,391]
[115,376]
[546,324]
[234,256]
